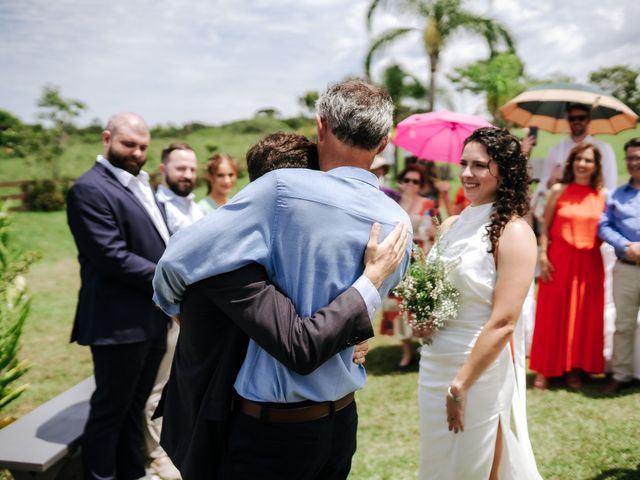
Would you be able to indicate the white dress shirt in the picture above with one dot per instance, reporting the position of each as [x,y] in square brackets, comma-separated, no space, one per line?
[181,211]
[141,188]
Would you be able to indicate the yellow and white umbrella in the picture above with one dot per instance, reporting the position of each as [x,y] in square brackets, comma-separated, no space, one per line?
[545,107]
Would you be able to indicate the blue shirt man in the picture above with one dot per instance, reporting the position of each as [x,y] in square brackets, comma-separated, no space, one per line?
[309,230]
[620,227]
[311,244]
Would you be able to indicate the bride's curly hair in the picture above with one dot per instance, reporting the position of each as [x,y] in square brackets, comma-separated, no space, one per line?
[512,195]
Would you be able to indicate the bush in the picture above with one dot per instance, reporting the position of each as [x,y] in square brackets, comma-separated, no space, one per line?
[14,308]
[45,195]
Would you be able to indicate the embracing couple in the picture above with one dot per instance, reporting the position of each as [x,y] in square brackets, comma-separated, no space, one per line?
[295,243]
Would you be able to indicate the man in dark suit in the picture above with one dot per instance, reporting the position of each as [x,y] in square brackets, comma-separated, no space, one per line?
[120,234]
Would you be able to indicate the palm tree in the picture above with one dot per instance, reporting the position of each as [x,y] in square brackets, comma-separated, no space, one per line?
[442,18]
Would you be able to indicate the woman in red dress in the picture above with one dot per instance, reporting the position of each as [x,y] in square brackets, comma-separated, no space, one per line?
[568,336]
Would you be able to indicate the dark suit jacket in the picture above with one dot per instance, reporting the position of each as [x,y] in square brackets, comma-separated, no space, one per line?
[218,316]
[118,248]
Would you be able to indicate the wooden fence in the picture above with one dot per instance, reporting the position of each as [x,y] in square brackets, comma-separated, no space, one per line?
[13,190]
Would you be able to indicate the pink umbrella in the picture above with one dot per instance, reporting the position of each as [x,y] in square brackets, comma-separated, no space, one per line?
[437,135]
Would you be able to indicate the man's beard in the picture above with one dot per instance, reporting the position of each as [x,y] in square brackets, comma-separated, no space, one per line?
[182,189]
[125,162]
[578,132]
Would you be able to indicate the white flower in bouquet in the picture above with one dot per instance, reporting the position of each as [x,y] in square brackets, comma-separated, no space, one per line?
[426,294]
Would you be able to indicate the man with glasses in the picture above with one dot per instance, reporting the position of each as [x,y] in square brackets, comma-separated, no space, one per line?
[578,116]
[620,227]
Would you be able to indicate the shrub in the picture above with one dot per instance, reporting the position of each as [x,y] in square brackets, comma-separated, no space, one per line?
[45,195]
[14,308]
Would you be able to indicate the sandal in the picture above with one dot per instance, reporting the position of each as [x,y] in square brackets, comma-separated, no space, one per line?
[541,382]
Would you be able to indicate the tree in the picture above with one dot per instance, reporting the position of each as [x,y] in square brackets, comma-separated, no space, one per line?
[500,78]
[59,113]
[308,101]
[268,113]
[403,87]
[621,81]
[441,19]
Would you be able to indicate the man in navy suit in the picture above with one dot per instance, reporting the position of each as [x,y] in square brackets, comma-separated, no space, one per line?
[120,233]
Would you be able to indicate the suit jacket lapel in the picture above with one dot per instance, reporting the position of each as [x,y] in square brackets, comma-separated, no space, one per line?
[110,177]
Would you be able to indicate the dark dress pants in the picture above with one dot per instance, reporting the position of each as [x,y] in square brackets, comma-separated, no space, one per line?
[112,443]
[316,450]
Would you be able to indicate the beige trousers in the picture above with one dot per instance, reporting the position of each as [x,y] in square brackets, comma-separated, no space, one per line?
[153,427]
[626,295]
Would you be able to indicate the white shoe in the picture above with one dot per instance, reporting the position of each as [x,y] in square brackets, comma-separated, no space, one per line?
[164,468]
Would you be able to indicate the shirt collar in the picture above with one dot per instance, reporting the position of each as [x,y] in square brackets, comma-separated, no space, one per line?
[357,174]
[123,176]
[629,186]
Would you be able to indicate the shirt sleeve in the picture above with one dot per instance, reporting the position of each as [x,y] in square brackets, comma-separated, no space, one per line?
[232,236]
[369,294]
[609,168]
[607,229]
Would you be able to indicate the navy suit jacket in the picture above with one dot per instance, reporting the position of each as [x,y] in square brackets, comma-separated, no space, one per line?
[118,248]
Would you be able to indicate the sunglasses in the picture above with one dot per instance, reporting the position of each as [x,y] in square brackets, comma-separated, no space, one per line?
[411,180]
[632,158]
[577,118]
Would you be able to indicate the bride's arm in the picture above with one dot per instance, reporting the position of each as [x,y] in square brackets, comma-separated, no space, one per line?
[516,260]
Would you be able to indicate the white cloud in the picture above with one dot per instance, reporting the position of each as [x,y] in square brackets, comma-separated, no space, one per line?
[217,60]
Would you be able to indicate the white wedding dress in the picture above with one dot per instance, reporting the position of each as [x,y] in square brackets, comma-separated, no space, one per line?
[497,396]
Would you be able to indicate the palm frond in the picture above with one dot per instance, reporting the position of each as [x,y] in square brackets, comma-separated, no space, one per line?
[379,43]
[373,6]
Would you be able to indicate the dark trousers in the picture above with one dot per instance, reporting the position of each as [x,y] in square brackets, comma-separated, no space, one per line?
[317,450]
[112,443]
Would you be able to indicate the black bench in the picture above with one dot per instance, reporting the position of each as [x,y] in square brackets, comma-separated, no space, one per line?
[44,443]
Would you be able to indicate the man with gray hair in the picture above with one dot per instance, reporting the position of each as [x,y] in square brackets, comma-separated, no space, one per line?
[309,230]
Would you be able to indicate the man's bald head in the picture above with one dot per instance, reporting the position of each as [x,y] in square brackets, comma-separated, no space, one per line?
[126,120]
[126,140]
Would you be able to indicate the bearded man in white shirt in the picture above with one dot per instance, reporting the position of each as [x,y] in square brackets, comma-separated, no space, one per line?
[178,168]
[179,171]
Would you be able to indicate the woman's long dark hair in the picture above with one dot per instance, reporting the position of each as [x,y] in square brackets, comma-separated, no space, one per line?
[512,194]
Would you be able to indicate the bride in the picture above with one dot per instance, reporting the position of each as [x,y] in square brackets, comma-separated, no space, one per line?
[472,378]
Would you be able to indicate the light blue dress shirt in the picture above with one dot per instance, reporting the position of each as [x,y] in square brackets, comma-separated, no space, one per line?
[620,223]
[309,229]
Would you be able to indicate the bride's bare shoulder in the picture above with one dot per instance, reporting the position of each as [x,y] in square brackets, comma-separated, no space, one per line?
[446,225]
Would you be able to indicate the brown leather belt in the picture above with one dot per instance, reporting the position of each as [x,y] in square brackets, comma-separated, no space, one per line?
[275,414]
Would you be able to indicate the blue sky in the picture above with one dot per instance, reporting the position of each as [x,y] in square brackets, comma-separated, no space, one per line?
[220,60]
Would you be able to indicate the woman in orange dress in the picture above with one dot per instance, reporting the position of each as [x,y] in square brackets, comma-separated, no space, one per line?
[568,336]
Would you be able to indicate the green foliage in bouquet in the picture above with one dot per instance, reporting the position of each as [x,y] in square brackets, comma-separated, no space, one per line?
[425,293]
[14,308]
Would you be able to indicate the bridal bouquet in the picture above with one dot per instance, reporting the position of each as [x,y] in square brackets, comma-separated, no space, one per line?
[426,294]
